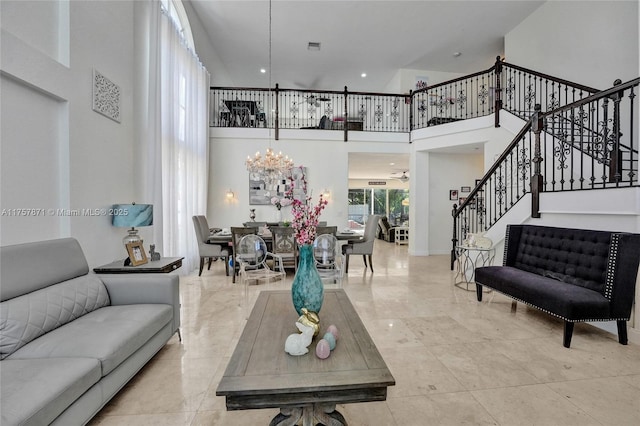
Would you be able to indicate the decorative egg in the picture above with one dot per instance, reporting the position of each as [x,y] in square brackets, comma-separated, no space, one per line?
[331,339]
[333,330]
[322,349]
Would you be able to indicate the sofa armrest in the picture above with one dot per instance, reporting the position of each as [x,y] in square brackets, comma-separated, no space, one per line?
[129,289]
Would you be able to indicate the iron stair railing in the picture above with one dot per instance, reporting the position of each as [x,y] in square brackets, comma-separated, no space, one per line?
[590,143]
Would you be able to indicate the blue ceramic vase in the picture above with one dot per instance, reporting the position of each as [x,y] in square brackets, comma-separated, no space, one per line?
[307,290]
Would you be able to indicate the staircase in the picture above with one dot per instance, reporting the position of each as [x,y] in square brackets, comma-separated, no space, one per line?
[590,143]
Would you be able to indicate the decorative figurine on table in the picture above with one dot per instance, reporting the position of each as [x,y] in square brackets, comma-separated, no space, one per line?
[153,254]
[297,343]
[310,319]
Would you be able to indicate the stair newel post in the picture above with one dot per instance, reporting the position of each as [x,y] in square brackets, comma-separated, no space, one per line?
[536,180]
[277,122]
[346,114]
[615,155]
[498,103]
[454,239]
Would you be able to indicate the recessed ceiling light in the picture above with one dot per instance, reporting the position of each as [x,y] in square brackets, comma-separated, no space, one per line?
[363,75]
[392,164]
[314,46]
[456,54]
[262,70]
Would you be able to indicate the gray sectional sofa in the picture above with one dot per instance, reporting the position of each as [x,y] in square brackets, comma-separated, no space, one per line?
[71,339]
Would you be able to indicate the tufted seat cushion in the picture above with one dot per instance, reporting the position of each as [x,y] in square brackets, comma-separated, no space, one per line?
[571,303]
[565,255]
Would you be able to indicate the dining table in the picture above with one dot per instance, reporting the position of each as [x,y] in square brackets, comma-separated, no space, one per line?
[222,237]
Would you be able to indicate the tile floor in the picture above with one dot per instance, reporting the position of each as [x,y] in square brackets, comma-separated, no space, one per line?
[455,361]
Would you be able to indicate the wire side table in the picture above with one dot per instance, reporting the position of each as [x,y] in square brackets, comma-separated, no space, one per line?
[468,258]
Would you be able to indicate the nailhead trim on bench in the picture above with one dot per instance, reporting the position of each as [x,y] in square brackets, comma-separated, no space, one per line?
[611,267]
[552,313]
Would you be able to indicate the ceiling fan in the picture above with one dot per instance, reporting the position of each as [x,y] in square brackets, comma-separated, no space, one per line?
[315,100]
[402,178]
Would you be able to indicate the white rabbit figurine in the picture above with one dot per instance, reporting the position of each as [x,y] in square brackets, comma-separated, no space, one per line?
[297,343]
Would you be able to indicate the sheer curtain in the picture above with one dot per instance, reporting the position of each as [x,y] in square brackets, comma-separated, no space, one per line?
[173,151]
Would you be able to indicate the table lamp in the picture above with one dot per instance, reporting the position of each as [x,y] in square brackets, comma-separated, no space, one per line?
[130,216]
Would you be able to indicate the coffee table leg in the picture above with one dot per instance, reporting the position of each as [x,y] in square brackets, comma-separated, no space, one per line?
[324,414]
[327,415]
[287,417]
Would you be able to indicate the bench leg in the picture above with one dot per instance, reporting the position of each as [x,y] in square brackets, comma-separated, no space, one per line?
[479,292]
[622,332]
[568,332]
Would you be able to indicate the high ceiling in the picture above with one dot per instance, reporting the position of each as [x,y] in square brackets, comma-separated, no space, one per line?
[373,37]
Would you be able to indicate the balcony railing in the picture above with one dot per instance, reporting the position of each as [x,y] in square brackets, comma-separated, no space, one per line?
[503,86]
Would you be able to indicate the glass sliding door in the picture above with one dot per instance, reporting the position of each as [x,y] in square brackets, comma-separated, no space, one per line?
[393,203]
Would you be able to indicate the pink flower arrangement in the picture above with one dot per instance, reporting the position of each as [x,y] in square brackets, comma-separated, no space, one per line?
[280,202]
[305,214]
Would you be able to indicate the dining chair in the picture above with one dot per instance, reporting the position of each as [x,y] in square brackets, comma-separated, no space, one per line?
[284,245]
[364,246]
[206,250]
[328,258]
[253,259]
[237,232]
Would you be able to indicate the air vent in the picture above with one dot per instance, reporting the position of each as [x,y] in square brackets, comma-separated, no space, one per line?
[314,46]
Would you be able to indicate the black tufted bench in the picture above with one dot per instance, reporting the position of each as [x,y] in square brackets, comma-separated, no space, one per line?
[574,274]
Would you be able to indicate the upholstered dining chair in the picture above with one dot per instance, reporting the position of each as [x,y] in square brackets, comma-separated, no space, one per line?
[237,232]
[364,246]
[285,246]
[208,251]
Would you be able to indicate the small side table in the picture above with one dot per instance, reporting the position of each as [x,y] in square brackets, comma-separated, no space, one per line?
[401,235]
[468,258]
[162,266]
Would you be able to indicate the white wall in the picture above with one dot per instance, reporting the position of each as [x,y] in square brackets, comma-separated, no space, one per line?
[57,153]
[326,160]
[405,79]
[446,172]
[592,43]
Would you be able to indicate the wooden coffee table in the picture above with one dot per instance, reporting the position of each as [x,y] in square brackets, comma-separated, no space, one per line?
[261,374]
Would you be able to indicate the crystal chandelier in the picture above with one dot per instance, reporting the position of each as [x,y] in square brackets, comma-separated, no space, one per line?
[271,167]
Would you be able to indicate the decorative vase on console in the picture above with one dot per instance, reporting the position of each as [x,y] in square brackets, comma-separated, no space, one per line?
[307,290]
[252,215]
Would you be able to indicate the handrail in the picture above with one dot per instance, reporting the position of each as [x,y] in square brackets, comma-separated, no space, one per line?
[550,77]
[602,94]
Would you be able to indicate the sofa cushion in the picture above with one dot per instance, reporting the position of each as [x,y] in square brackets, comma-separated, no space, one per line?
[36,391]
[110,334]
[25,318]
[31,266]
[570,302]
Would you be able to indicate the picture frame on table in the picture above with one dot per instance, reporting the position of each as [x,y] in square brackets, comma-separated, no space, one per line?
[453,195]
[137,256]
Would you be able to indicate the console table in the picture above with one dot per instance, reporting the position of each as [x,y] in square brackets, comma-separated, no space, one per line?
[260,374]
[162,266]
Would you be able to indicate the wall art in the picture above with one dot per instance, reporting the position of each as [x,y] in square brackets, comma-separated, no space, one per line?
[106,96]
